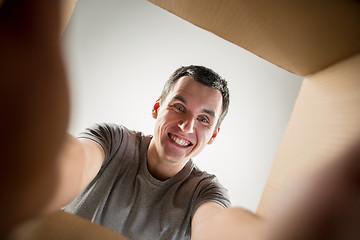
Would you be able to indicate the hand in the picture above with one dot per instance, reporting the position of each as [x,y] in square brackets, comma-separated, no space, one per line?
[327,206]
[34,104]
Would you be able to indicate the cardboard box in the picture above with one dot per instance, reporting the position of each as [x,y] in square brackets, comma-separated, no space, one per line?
[319,39]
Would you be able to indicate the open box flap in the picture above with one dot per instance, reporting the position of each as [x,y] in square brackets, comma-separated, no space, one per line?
[302,37]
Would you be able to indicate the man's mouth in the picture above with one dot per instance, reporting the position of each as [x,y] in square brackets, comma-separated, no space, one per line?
[180,141]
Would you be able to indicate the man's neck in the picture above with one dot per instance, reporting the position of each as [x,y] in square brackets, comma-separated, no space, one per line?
[162,169]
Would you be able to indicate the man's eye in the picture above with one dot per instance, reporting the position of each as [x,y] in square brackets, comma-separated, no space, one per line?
[179,108]
[203,119]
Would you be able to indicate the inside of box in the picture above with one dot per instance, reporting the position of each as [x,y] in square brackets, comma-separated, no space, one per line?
[325,119]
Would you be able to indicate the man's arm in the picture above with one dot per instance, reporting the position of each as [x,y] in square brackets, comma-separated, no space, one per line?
[324,206]
[78,163]
[212,221]
[35,105]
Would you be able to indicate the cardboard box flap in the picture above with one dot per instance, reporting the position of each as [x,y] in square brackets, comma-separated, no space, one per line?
[302,37]
[325,122]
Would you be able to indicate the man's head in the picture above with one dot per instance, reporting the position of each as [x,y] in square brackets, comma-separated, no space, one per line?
[192,104]
[204,76]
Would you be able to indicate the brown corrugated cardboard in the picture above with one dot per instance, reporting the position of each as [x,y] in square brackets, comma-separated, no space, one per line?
[67,7]
[325,120]
[60,226]
[302,37]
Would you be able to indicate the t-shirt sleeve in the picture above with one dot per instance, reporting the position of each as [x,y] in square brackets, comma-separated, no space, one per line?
[211,190]
[108,135]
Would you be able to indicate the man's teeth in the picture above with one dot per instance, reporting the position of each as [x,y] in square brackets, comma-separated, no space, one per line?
[181,142]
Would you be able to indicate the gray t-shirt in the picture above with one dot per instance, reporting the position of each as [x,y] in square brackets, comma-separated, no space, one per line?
[126,198]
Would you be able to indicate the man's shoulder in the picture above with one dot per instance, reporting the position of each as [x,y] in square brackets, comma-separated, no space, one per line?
[203,178]
[197,172]
[115,127]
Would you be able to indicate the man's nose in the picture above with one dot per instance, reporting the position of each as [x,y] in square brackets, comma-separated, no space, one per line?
[186,124]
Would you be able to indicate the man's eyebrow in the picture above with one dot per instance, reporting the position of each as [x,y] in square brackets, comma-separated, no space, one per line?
[180,98]
[210,112]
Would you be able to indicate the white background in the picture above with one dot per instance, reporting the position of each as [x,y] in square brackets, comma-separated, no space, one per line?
[119,53]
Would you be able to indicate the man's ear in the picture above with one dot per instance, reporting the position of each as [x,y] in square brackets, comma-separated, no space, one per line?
[155,109]
[214,136]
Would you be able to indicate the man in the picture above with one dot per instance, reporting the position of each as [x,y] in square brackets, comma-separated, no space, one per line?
[148,187]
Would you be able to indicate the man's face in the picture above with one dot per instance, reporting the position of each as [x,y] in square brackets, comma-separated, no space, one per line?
[186,120]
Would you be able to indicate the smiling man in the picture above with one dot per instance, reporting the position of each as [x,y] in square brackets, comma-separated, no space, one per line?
[187,116]
[147,187]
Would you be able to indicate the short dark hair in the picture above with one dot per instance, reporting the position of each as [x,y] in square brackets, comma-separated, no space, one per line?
[204,76]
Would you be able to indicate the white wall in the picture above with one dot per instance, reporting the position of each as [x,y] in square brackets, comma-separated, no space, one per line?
[119,54]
